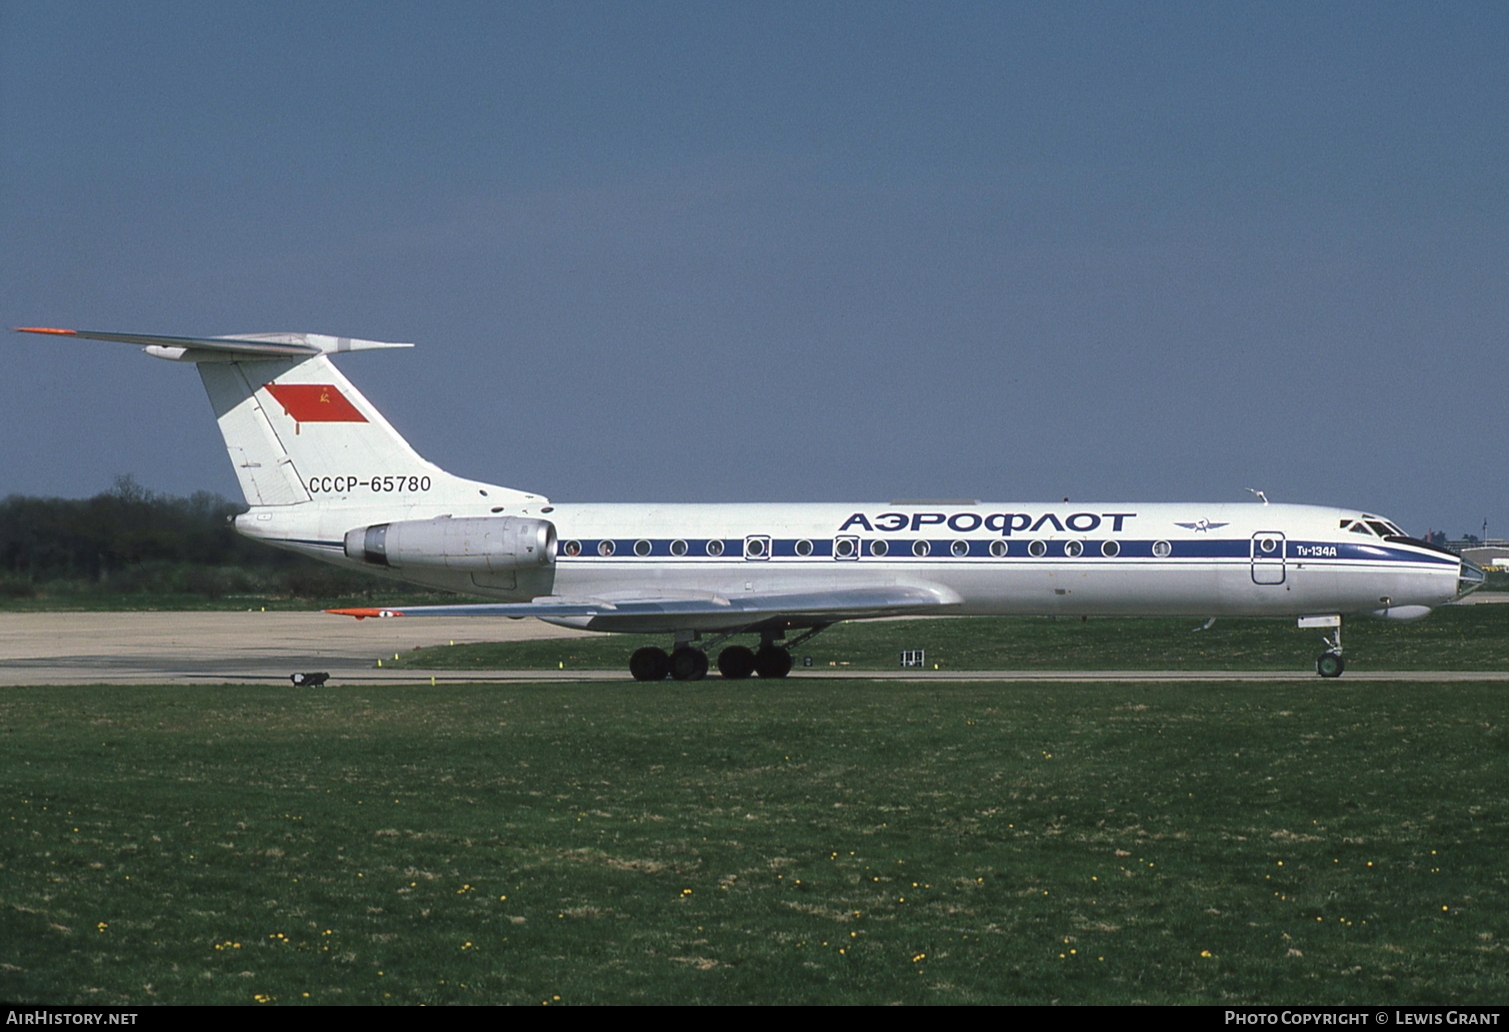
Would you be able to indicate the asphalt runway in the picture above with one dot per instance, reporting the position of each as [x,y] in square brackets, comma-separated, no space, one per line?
[258,647]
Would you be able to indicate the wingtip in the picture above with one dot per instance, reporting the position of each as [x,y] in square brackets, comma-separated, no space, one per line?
[46,329]
[363,613]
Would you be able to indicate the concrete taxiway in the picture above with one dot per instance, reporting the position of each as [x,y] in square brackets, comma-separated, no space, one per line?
[200,647]
[260,647]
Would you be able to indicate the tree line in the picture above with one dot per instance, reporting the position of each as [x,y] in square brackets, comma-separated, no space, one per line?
[129,540]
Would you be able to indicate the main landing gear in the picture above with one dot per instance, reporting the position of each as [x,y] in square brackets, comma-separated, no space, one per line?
[688,662]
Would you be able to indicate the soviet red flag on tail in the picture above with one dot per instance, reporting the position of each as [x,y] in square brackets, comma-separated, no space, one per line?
[314,403]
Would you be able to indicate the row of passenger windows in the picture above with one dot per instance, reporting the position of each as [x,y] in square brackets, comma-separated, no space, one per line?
[849,548]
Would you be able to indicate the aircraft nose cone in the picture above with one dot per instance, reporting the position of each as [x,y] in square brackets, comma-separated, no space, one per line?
[1470,578]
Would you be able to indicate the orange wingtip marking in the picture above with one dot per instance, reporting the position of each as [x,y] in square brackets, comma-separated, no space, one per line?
[362,614]
[45,329]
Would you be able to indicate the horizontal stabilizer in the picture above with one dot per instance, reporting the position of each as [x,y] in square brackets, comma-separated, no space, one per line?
[248,345]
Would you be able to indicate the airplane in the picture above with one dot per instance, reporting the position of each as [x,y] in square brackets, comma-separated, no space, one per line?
[325,475]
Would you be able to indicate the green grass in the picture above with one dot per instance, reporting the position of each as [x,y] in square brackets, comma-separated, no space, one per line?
[818,842]
[1452,638]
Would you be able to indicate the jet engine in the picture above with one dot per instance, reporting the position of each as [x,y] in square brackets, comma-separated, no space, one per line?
[490,551]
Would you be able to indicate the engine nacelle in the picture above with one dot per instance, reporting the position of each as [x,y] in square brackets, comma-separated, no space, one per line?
[493,549]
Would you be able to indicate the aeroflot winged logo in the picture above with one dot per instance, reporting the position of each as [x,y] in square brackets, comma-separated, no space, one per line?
[1003,523]
[1201,525]
[314,403]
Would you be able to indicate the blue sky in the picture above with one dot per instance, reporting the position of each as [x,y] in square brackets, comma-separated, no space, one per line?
[686,252]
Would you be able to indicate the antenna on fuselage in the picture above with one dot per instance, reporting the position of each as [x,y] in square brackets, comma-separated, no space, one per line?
[1260,496]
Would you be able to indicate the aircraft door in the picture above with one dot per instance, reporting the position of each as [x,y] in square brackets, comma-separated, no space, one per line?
[1268,557]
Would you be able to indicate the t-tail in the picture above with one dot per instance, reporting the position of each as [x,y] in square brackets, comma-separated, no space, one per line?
[299,435]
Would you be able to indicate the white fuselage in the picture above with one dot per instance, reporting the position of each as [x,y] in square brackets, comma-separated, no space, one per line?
[988,559]
[325,474]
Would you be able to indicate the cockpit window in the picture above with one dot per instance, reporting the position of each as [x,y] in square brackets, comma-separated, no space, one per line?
[1356,527]
[1380,528]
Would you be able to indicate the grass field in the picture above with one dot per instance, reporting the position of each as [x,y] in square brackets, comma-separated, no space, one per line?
[849,842]
[1452,638]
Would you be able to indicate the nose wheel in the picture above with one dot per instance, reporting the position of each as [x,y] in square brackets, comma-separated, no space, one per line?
[1329,663]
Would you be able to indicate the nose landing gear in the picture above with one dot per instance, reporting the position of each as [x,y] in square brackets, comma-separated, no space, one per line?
[1330,662]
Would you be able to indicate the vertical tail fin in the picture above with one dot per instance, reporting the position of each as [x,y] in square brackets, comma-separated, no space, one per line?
[297,431]
[263,466]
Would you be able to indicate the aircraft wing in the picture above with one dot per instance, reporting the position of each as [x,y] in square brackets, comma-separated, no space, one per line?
[706,613]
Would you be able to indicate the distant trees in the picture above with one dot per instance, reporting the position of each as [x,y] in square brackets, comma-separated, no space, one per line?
[130,539]
[52,538]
